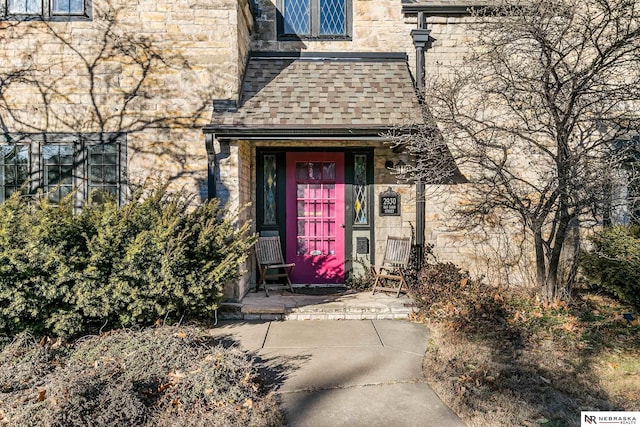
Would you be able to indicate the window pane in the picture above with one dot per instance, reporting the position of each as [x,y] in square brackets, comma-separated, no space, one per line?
[14,168]
[110,158]
[58,170]
[51,174]
[329,171]
[360,190]
[296,17]
[57,154]
[269,191]
[66,175]
[110,174]
[315,171]
[103,169]
[30,7]
[67,7]
[22,164]
[333,17]
[95,158]
[95,173]
[10,175]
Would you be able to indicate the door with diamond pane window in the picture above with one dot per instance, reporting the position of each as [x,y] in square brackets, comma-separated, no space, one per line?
[315,216]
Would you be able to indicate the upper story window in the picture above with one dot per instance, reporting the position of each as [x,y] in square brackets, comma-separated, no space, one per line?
[45,9]
[319,19]
[67,7]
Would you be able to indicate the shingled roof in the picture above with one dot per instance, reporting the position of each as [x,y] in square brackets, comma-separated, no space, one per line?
[329,92]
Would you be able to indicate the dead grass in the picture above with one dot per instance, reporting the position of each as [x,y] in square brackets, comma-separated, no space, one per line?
[166,376]
[500,358]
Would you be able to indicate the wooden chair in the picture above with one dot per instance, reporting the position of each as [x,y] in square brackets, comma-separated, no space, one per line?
[269,256]
[395,261]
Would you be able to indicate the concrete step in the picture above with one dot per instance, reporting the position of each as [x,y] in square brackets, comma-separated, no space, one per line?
[349,305]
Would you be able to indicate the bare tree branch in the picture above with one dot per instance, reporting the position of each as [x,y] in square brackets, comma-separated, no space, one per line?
[536,118]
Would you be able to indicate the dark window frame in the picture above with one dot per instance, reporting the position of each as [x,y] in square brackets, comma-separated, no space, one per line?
[14,165]
[314,13]
[46,13]
[79,144]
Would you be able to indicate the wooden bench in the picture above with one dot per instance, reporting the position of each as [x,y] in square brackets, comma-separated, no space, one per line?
[396,259]
[271,263]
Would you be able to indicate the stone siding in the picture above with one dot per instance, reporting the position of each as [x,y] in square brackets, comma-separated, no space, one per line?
[162,64]
[398,226]
[150,69]
[378,26]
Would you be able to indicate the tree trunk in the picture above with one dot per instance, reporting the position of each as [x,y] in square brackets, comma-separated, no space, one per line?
[556,252]
[541,270]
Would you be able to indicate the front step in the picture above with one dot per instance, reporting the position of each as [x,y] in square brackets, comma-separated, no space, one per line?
[346,306]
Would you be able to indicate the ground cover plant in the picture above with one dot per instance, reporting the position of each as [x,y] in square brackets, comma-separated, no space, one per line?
[64,272]
[163,376]
[501,357]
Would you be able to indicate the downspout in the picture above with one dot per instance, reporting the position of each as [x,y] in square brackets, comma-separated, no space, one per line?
[211,166]
[420,40]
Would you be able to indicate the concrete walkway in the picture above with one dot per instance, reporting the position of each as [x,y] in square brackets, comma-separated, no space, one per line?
[345,373]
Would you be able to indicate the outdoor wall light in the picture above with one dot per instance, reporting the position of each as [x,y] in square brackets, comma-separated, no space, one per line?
[400,166]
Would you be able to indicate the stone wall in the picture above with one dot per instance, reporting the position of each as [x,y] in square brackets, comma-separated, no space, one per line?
[402,226]
[150,69]
[235,184]
[502,254]
[378,26]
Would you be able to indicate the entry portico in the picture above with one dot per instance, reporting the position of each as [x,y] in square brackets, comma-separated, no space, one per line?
[304,148]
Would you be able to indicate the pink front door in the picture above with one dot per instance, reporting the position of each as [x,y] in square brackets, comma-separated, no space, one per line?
[315,216]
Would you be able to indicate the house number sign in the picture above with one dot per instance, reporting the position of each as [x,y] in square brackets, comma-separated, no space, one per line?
[389,203]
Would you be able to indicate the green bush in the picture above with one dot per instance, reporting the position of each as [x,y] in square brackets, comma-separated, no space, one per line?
[153,258]
[40,246]
[614,262]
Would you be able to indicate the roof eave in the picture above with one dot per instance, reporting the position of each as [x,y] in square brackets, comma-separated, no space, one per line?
[302,132]
[439,10]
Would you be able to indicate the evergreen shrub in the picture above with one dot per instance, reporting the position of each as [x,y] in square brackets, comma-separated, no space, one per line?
[152,259]
[613,264]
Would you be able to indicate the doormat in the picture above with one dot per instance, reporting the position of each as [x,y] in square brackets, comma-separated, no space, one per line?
[320,290]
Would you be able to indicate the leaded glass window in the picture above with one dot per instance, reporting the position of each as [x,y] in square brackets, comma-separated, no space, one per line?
[297,16]
[14,169]
[333,17]
[314,18]
[270,206]
[360,190]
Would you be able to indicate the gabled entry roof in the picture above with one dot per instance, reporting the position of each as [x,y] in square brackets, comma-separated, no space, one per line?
[319,95]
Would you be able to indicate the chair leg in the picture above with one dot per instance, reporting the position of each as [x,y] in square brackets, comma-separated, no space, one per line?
[261,278]
[289,280]
[375,283]
[403,283]
[400,282]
